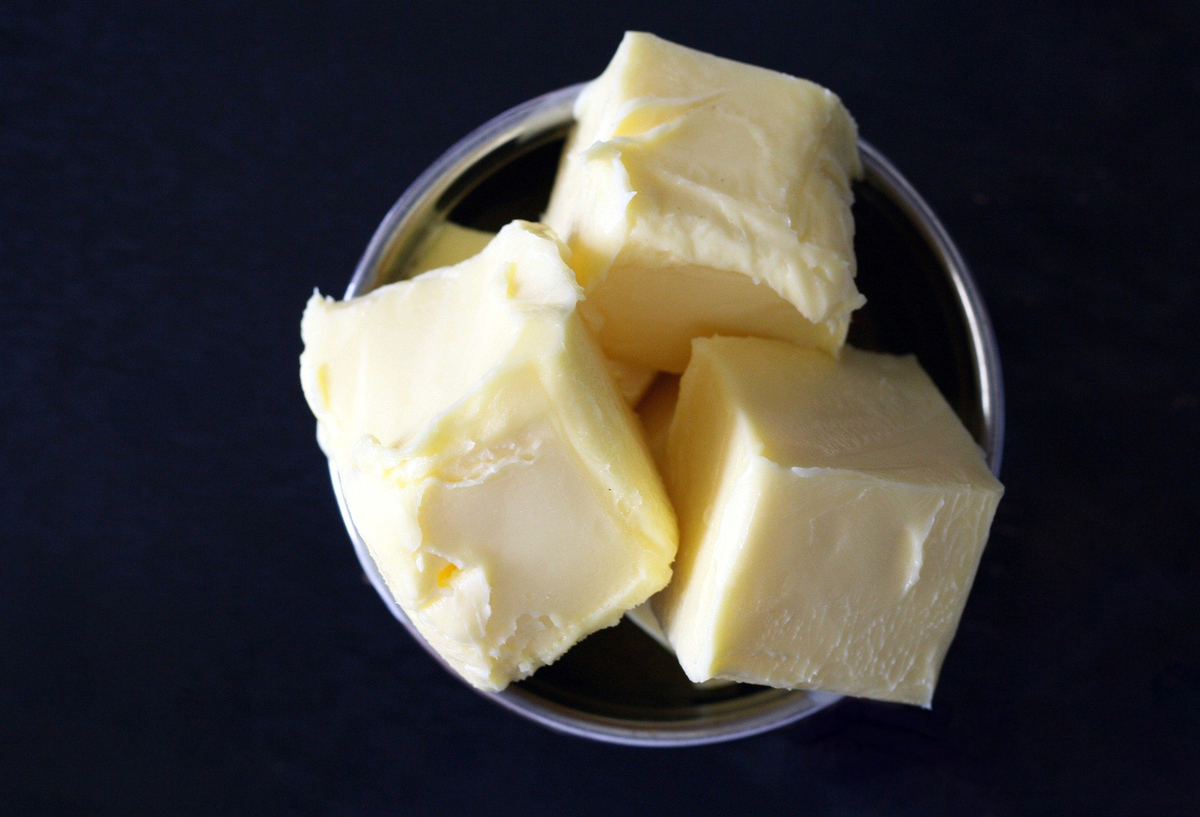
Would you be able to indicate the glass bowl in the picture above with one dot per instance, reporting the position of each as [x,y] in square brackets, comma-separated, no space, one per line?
[618,685]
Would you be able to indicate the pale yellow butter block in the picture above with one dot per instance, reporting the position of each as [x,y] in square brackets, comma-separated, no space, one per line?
[494,473]
[449,243]
[832,517]
[704,196]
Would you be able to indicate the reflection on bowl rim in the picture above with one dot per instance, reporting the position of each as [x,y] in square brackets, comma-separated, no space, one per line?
[747,715]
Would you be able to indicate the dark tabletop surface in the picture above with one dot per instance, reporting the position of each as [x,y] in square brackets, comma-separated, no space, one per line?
[183,627]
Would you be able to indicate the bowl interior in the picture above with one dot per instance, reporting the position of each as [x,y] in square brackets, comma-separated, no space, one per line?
[619,677]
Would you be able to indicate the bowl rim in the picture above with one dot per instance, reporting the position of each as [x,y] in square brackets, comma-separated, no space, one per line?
[777,708]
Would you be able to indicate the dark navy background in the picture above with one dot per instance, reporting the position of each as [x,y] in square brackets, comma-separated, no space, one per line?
[183,627]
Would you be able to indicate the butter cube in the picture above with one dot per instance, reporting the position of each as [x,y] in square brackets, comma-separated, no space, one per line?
[449,243]
[494,473]
[704,196]
[832,516]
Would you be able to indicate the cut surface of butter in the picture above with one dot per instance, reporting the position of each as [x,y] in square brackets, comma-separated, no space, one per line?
[832,516]
[497,478]
[449,243]
[704,196]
